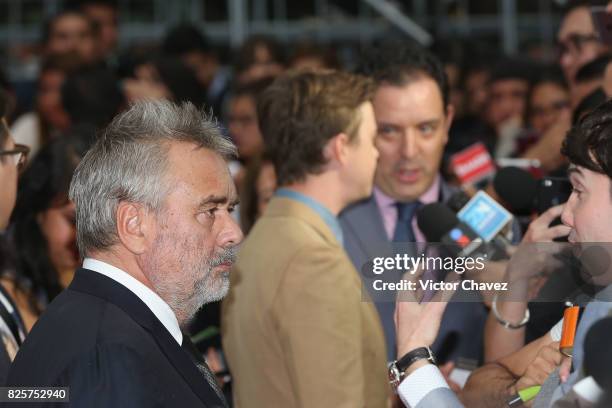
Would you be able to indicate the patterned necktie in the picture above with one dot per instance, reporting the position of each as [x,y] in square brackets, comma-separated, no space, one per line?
[403,227]
[195,355]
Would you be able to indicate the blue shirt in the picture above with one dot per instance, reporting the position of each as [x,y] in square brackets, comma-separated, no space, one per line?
[327,216]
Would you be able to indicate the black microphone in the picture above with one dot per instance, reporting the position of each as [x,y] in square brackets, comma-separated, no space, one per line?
[458,200]
[435,220]
[440,224]
[517,188]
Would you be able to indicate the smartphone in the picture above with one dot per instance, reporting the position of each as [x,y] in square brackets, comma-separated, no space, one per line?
[552,191]
[603,23]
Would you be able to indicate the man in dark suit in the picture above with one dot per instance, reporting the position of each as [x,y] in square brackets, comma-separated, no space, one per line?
[413,114]
[153,201]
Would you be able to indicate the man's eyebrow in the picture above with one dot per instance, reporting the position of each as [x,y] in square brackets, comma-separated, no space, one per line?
[433,121]
[212,199]
[379,124]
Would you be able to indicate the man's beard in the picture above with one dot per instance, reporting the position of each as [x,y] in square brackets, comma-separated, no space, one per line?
[187,281]
[208,289]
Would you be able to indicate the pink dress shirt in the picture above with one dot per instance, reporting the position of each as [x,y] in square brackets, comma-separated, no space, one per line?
[388,210]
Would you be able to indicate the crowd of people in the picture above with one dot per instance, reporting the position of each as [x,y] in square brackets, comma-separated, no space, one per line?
[177,230]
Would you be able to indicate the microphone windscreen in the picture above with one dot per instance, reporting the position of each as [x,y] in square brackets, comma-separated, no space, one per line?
[435,220]
[457,201]
[517,188]
[598,353]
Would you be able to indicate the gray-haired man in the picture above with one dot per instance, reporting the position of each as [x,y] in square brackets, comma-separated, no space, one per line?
[153,201]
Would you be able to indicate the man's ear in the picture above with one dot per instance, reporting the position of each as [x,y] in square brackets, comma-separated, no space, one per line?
[336,149]
[450,115]
[135,227]
[448,120]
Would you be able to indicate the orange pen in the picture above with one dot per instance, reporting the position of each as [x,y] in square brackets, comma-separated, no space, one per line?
[570,321]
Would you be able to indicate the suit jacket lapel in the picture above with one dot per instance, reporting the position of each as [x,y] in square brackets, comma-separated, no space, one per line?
[187,368]
[365,216]
[446,191]
[96,284]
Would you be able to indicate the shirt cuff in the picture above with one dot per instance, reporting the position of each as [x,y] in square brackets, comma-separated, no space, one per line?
[419,383]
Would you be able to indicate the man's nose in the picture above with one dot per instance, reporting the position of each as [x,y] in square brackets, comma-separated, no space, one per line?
[232,234]
[409,146]
[567,216]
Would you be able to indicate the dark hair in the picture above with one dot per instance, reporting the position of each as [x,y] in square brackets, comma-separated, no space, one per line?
[593,70]
[6,256]
[91,95]
[477,59]
[66,64]
[3,129]
[252,89]
[248,192]
[547,74]
[247,53]
[589,143]
[512,68]
[180,80]
[43,185]
[301,111]
[183,39]
[588,103]
[399,64]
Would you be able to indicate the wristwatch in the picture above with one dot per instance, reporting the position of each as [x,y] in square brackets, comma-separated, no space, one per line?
[397,369]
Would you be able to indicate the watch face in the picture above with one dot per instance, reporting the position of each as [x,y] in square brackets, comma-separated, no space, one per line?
[394,376]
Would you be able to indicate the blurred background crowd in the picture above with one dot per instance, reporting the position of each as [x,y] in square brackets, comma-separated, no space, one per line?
[519,73]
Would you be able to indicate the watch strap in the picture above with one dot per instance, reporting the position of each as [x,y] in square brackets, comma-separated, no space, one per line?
[421,353]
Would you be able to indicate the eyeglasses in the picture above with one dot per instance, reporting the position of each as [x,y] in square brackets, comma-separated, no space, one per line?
[575,43]
[19,154]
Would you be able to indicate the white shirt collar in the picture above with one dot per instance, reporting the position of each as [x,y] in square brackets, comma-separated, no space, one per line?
[160,309]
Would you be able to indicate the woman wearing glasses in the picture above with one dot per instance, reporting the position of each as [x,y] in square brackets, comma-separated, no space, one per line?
[12,328]
[42,228]
[12,159]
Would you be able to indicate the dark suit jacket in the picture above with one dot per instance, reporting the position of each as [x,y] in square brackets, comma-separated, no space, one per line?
[463,322]
[102,341]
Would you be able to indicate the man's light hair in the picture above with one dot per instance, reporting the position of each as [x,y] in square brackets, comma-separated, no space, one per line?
[129,161]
